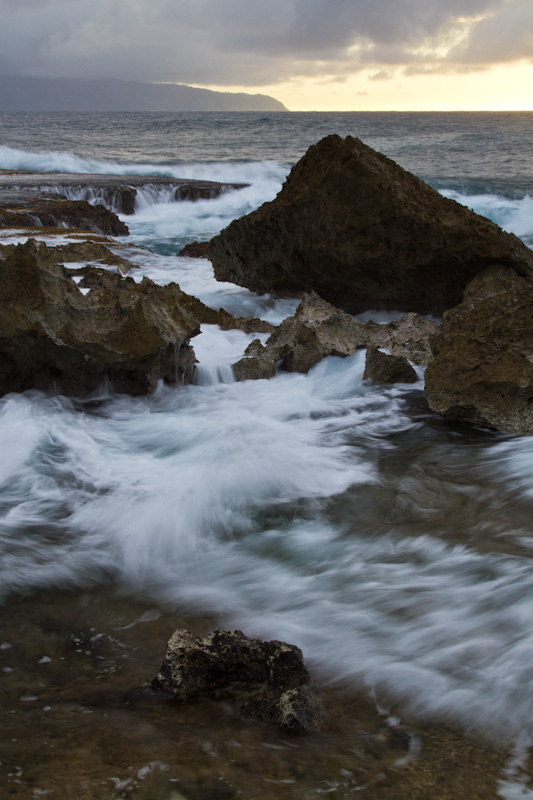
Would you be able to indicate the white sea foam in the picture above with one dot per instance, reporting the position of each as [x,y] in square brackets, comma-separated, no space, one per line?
[151,480]
[60,161]
[217,350]
[195,276]
[217,498]
[155,222]
[514,216]
[516,783]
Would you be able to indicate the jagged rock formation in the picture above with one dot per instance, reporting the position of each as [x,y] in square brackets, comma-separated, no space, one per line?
[53,336]
[266,681]
[89,250]
[318,329]
[482,370]
[355,227]
[384,368]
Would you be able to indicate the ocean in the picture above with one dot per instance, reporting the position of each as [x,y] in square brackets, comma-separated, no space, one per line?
[392,546]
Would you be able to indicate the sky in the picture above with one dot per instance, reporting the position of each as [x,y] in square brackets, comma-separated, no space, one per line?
[310,54]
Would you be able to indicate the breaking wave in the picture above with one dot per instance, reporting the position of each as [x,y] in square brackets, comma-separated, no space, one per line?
[221,171]
[513,215]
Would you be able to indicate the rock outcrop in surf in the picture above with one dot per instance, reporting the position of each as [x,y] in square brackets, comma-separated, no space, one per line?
[318,329]
[67,336]
[53,336]
[265,681]
[364,234]
[482,371]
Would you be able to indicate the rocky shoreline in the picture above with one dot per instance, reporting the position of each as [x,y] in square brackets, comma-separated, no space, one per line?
[350,229]
[73,316]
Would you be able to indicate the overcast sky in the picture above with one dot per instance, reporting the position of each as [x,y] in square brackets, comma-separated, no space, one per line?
[264,44]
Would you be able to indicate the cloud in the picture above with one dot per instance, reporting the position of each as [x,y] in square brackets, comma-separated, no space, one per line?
[382,75]
[250,42]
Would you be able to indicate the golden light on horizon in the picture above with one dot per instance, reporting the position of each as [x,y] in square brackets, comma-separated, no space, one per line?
[500,88]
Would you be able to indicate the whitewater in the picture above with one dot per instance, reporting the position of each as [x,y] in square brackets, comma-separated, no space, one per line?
[393,547]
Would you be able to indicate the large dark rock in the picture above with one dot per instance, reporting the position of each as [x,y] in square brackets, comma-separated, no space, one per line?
[266,681]
[318,329]
[54,336]
[355,227]
[482,370]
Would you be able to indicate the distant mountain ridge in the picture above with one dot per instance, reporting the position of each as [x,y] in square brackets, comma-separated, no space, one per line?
[75,94]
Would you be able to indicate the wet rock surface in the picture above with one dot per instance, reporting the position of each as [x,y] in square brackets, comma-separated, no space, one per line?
[117,192]
[365,234]
[266,681]
[482,370]
[51,211]
[384,368]
[195,250]
[52,336]
[318,329]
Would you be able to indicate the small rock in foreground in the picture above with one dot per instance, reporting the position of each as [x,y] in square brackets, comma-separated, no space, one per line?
[266,681]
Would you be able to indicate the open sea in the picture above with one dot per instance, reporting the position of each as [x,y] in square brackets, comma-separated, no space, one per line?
[393,547]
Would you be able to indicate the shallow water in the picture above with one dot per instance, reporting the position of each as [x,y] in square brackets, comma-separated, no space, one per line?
[80,724]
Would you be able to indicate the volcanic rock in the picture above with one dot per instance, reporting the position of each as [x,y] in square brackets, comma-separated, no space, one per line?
[48,211]
[195,250]
[384,368]
[318,329]
[89,250]
[365,234]
[482,370]
[54,336]
[266,681]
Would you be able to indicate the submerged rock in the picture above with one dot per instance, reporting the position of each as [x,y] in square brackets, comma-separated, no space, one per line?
[318,329]
[384,368]
[54,336]
[266,681]
[482,370]
[365,234]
